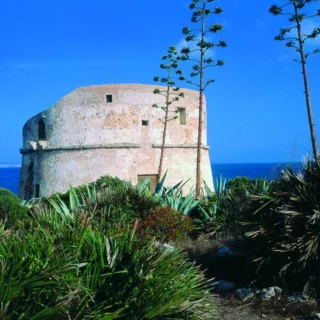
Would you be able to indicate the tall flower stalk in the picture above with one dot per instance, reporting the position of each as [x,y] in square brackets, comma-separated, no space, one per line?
[296,38]
[198,55]
[171,93]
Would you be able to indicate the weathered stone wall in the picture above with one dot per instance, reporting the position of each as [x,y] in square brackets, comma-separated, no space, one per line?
[88,137]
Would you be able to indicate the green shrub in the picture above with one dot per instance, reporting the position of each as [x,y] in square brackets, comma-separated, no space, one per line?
[10,207]
[126,203]
[114,198]
[60,264]
[112,183]
[225,211]
[285,228]
[165,224]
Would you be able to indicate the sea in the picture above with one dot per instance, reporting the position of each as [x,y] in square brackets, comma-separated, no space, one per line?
[9,176]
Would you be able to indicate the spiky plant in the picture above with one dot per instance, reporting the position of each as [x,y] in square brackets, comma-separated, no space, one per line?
[286,228]
[67,263]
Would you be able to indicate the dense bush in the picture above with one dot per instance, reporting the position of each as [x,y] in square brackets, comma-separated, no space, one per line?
[10,207]
[66,264]
[226,211]
[284,230]
[112,198]
[275,223]
[112,183]
[165,224]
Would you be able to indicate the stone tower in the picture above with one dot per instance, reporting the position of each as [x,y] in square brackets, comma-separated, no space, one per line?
[110,130]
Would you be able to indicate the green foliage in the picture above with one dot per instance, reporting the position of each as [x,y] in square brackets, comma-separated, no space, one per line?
[112,197]
[285,229]
[10,207]
[160,185]
[144,188]
[165,224]
[174,199]
[226,210]
[210,205]
[127,203]
[112,183]
[69,263]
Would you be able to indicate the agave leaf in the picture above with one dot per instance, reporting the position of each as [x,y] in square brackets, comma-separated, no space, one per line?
[221,186]
[205,214]
[207,190]
[159,187]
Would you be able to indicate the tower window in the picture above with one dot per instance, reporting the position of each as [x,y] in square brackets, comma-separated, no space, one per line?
[42,130]
[109,98]
[145,122]
[182,115]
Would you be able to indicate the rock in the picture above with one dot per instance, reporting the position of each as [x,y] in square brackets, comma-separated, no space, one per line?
[269,293]
[224,286]
[244,294]
[294,298]
[224,251]
[309,303]
[277,290]
[315,316]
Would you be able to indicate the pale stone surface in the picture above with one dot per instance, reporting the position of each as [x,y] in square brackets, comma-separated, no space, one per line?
[87,137]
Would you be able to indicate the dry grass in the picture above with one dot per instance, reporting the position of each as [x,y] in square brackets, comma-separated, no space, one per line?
[229,308]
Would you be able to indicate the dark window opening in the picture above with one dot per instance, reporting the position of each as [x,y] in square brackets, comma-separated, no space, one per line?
[153,180]
[145,122]
[109,98]
[182,115]
[37,191]
[42,130]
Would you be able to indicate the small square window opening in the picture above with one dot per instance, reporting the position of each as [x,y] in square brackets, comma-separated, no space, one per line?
[109,98]
[145,122]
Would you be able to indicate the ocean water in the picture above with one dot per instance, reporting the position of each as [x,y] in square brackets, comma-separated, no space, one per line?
[267,171]
[9,177]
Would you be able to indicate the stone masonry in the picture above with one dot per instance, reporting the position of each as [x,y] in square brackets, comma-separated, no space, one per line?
[110,130]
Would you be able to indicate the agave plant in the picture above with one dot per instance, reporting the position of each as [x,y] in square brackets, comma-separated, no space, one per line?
[214,198]
[173,197]
[180,203]
[144,188]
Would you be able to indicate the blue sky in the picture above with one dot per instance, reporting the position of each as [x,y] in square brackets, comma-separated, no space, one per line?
[256,107]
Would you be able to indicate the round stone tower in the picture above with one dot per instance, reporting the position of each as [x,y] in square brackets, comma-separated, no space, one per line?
[110,130]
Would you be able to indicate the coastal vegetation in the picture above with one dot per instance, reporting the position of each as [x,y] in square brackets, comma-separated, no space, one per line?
[92,254]
[110,250]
